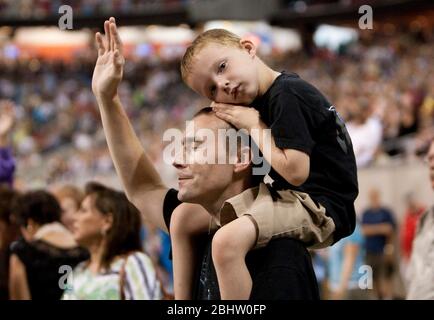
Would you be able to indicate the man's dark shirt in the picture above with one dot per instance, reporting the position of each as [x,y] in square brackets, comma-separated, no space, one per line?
[281,271]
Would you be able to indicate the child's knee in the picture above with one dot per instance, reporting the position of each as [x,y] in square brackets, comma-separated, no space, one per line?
[224,248]
[233,241]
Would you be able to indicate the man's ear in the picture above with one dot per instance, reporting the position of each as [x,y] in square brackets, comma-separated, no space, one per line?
[249,46]
[244,159]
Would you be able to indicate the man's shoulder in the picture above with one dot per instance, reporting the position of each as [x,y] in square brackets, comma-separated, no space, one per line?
[173,204]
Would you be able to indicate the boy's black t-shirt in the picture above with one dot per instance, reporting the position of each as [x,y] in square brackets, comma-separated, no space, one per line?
[301,118]
[280,271]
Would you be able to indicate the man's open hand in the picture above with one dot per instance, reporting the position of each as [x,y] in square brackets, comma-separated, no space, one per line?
[109,66]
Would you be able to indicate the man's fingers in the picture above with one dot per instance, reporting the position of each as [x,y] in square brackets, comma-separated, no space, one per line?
[99,43]
[116,41]
[113,32]
[107,35]
[118,59]
[112,38]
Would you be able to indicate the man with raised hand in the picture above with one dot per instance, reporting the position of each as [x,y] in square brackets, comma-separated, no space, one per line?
[282,270]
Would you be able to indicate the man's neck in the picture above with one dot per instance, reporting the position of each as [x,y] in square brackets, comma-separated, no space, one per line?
[214,206]
[266,77]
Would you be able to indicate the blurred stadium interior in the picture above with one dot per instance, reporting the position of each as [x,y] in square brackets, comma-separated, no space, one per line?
[385,73]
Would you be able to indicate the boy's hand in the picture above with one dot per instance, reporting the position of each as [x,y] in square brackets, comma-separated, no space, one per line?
[239,116]
[109,66]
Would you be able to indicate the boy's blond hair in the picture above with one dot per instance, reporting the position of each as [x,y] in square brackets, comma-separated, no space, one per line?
[218,36]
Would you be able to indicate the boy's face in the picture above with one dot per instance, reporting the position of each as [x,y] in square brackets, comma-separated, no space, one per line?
[225,74]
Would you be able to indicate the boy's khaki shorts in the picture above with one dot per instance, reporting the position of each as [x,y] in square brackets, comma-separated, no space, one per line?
[283,213]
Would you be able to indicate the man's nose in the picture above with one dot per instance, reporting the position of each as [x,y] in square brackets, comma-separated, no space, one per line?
[179,160]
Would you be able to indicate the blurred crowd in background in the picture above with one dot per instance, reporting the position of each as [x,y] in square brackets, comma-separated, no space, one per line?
[382,87]
[23,9]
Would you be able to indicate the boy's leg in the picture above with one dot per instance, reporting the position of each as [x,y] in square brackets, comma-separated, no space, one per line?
[185,228]
[230,245]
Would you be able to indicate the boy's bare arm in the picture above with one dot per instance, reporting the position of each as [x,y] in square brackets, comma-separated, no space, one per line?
[291,164]
[141,181]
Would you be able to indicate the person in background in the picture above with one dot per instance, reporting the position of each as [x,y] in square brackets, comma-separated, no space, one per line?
[7,161]
[421,266]
[157,244]
[8,234]
[108,225]
[346,258]
[408,229]
[70,198]
[365,130]
[45,248]
[378,226]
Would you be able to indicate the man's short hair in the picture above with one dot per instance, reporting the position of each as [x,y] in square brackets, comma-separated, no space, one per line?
[217,36]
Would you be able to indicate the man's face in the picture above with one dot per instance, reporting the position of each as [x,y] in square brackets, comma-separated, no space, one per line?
[199,180]
[430,157]
[225,74]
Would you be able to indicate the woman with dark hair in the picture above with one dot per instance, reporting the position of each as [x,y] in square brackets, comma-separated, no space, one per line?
[47,249]
[108,225]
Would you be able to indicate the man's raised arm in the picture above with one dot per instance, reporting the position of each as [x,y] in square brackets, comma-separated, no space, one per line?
[141,181]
